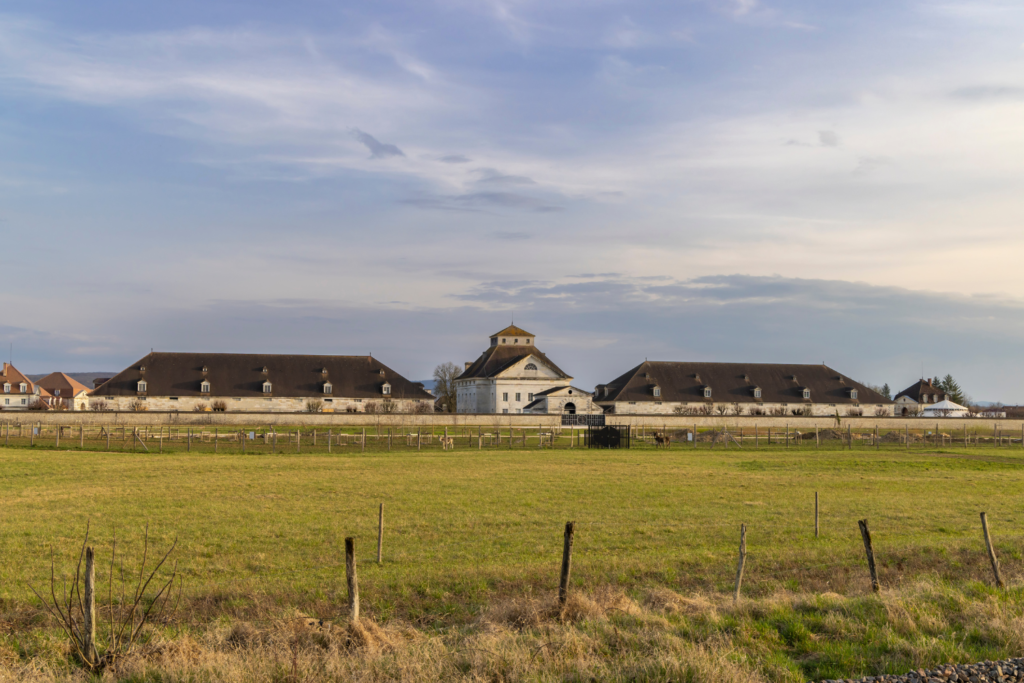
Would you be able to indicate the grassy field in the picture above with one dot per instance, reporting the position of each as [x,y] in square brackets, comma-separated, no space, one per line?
[473,540]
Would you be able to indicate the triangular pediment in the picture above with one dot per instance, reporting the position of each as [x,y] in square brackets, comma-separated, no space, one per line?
[530,366]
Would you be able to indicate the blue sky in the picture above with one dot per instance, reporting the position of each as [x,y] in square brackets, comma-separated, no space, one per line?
[695,180]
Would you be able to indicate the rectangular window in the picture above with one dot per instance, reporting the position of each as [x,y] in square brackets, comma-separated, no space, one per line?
[505,410]
[7,401]
[24,401]
[504,397]
[517,395]
[529,397]
[173,398]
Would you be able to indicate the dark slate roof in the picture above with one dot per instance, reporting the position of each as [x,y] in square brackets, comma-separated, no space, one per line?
[734,383]
[498,358]
[921,386]
[241,375]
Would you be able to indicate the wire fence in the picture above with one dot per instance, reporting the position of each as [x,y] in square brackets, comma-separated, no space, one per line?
[257,439]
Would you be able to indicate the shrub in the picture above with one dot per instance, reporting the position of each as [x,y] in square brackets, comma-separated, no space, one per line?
[757,410]
[38,405]
[314,405]
[424,407]
[100,406]
[881,411]
[388,406]
[777,411]
[219,406]
[138,406]
[370,407]
[854,412]
[201,408]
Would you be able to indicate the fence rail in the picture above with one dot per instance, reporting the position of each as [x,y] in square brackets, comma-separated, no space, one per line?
[376,438]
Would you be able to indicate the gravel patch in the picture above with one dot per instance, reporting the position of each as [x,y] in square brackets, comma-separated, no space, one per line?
[1006,671]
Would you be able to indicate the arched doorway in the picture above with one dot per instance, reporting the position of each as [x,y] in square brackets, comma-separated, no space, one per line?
[904,412]
[569,409]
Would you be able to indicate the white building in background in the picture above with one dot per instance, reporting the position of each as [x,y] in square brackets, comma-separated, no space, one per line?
[514,376]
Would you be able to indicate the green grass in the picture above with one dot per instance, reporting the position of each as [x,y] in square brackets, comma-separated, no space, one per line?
[264,532]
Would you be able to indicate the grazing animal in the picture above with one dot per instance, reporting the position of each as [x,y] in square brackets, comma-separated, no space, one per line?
[447,442]
[662,440]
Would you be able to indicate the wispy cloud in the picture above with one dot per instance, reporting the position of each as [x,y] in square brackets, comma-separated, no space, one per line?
[378,150]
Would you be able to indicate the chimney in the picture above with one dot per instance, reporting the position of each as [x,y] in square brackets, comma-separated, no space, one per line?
[5,369]
[467,367]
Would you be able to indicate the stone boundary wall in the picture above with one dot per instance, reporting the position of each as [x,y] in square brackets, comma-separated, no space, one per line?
[649,422]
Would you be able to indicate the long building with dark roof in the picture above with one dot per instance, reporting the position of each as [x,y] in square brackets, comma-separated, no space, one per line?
[261,382]
[683,388]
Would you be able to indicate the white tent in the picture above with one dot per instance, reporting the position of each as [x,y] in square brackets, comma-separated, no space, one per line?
[945,409]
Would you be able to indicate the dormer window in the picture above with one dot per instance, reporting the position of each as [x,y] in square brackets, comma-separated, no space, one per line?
[7,387]
[142,368]
[324,372]
[853,394]
[268,387]
[527,341]
[807,393]
[707,392]
[328,388]
[515,341]
[386,389]
[530,367]
[141,386]
[204,387]
[56,392]
[504,341]
[757,392]
[657,390]
[205,369]
[23,387]
[266,370]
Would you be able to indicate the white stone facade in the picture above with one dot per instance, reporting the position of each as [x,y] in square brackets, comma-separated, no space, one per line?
[767,409]
[256,405]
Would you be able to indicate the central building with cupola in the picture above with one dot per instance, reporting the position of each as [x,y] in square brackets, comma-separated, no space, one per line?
[514,376]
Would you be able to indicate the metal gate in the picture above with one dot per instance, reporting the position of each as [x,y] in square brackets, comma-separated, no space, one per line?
[609,436]
[583,420]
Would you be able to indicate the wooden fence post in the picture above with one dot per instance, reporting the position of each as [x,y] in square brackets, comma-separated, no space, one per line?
[694,434]
[380,534]
[56,443]
[817,439]
[743,561]
[815,514]
[991,551]
[563,582]
[89,628]
[216,439]
[107,430]
[81,437]
[866,535]
[363,440]
[756,440]
[353,581]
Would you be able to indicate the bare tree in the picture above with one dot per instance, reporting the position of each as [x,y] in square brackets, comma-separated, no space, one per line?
[313,405]
[444,385]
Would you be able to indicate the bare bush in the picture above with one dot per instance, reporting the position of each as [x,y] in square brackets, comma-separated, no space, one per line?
[370,407]
[680,410]
[219,406]
[201,408]
[388,406]
[38,405]
[722,409]
[803,411]
[707,409]
[138,406]
[424,407]
[314,405]
[100,406]
[854,411]
[777,411]
[881,411]
[757,410]
[127,615]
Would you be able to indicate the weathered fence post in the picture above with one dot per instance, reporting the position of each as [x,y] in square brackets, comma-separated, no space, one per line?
[81,437]
[756,441]
[363,440]
[991,551]
[107,430]
[353,581]
[418,438]
[89,628]
[563,582]
[56,443]
[380,534]
[743,561]
[815,514]
[866,535]
[817,440]
[216,439]
[694,434]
